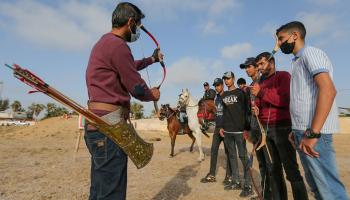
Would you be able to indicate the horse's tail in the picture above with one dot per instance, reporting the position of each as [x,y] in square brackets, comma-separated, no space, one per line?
[205,133]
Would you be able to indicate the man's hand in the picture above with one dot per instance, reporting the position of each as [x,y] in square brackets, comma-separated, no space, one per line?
[221,132]
[155,93]
[255,110]
[255,89]
[246,136]
[157,55]
[277,46]
[291,139]
[307,146]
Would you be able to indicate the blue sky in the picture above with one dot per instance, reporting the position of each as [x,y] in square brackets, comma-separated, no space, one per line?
[201,39]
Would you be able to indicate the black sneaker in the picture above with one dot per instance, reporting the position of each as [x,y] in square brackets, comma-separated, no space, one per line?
[233,186]
[247,191]
[227,181]
[208,179]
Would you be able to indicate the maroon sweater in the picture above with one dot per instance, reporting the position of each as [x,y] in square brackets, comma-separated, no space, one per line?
[112,74]
[273,99]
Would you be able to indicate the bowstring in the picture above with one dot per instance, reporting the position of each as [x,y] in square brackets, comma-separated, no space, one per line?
[143,55]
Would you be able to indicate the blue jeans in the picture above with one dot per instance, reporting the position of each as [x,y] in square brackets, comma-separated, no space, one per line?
[108,167]
[183,115]
[321,173]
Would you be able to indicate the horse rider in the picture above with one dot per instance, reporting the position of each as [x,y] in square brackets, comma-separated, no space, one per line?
[209,94]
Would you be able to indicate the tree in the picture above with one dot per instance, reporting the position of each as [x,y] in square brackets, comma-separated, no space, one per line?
[61,111]
[53,110]
[154,113]
[4,104]
[50,109]
[16,106]
[136,110]
[35,109]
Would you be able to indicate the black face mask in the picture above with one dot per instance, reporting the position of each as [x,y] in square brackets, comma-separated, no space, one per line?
[287,48]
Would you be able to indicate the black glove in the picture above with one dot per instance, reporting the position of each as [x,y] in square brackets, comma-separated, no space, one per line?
[155,55]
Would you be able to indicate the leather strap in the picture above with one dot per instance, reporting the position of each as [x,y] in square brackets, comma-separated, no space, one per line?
[103,106]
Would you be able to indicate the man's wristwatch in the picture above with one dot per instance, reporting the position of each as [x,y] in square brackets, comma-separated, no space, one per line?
[310,134]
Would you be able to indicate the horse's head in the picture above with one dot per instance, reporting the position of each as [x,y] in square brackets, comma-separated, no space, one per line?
[164,111]
[184,97]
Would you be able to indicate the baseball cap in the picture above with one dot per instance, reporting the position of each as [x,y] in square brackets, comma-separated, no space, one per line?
[228,75]
[217,81]
[247,62]
[206,84]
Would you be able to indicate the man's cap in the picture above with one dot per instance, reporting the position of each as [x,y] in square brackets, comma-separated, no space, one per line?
[228,75]
[217,81]
[247,62]
[206,84]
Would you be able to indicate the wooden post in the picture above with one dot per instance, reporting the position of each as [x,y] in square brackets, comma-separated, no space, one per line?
[81,124]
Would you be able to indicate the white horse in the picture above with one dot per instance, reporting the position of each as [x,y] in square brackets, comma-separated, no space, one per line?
[185,99]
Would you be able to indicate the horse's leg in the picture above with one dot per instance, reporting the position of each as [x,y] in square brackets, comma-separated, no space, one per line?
[173,138]
[198,136]
[190,134]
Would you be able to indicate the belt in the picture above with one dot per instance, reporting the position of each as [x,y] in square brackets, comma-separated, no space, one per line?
[106,107]
[103,106]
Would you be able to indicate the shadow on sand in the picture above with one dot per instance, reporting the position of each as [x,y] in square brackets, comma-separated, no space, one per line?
[178,187]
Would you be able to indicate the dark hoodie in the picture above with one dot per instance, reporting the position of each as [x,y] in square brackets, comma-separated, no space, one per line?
[235,118]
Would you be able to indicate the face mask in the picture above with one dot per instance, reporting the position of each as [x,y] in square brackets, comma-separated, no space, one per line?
[134,35]
[287,48]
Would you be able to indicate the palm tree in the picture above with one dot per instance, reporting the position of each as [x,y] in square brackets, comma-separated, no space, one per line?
[4,104]
[136,110]
[16,106]
[51,109]
[35,109]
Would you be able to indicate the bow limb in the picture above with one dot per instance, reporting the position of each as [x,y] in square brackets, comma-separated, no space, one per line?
[160,61]
[250,170]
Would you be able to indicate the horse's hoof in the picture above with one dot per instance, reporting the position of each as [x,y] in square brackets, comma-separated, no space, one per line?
[171,156]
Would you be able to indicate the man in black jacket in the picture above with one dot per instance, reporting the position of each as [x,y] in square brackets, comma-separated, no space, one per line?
[235,123]
[269,188]
[217,139]
[208,92]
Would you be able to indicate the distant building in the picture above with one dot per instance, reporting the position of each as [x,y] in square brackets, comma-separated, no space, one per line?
[344,112]
[13,116]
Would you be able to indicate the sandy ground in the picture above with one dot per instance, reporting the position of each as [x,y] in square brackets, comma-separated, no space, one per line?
[39,162]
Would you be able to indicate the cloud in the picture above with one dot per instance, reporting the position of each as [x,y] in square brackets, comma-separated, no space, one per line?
[188,71]
[236,51]
[269,28]
[59,26]
[323,2]
[324,28]
[207,10]
[317,23]
[171,10]
[218,7]
[211,27]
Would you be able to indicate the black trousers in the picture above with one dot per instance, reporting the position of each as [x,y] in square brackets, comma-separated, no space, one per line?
[233,143]
[268,184]
[283,156]
[217,139]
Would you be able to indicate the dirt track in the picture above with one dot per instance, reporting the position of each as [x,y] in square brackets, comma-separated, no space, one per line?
[39,162]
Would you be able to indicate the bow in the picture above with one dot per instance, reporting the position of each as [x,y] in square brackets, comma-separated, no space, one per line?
[160,61]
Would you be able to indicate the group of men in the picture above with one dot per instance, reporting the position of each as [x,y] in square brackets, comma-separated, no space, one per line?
[307,110]
[298,113]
